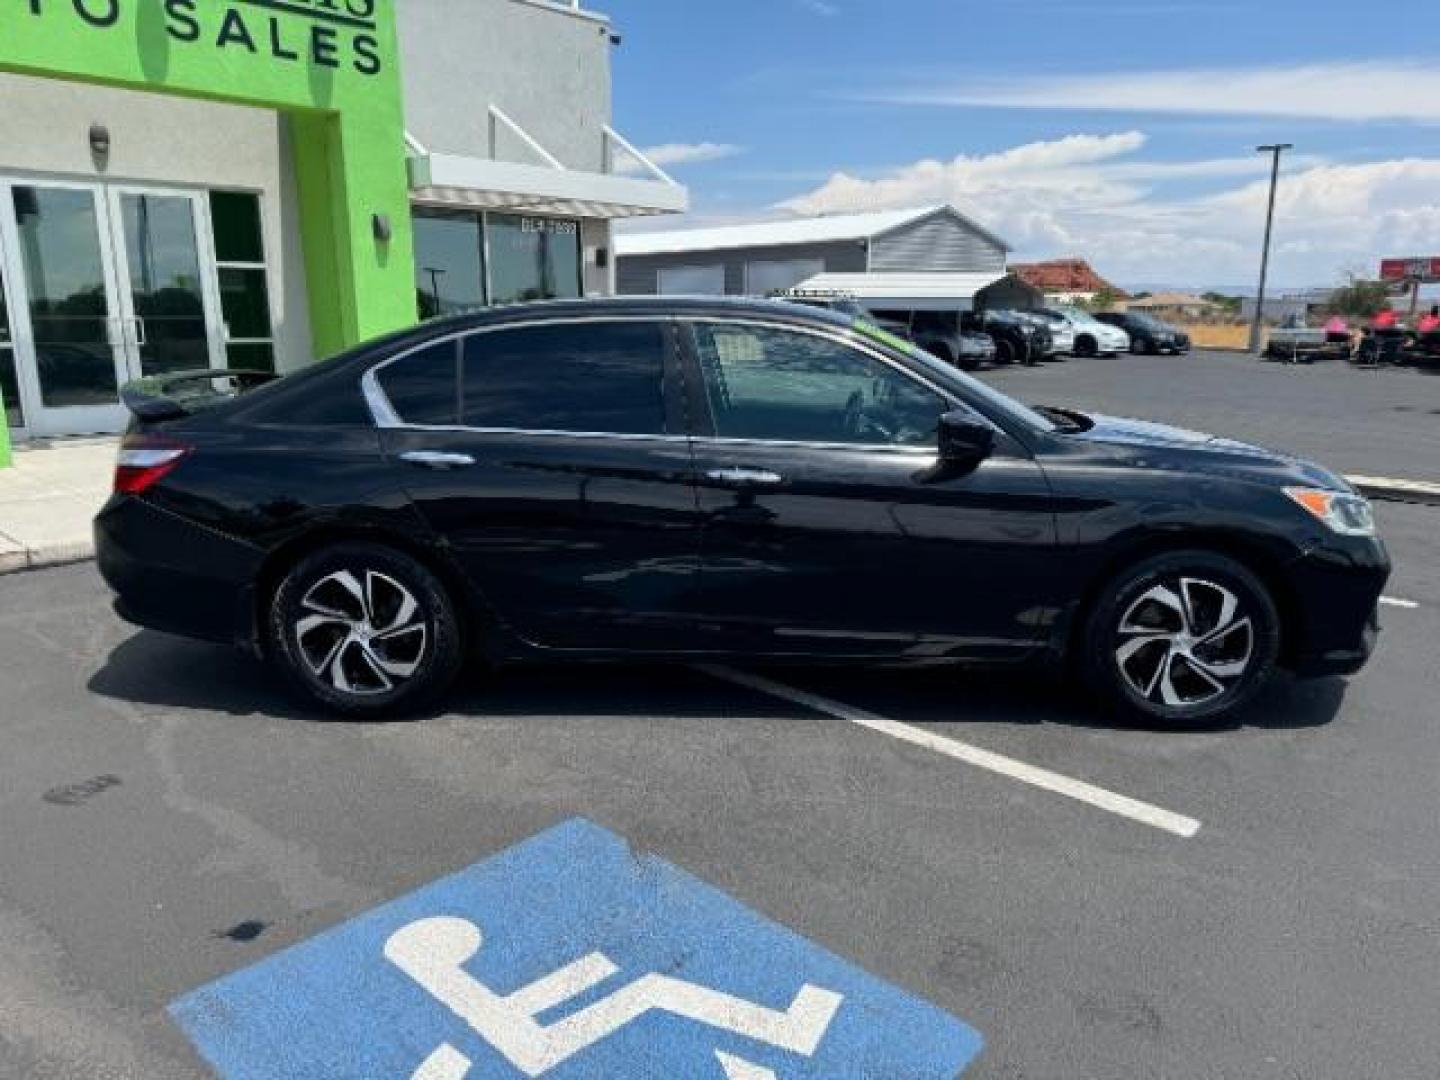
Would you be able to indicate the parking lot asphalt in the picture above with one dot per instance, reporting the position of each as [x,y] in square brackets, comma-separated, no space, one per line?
[1377,422]
[170,817]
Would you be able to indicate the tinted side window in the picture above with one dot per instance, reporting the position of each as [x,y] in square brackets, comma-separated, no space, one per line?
[423,387]
[584,377]
[783,386]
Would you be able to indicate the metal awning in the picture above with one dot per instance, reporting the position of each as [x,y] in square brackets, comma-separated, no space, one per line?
[927,291]
[549,187]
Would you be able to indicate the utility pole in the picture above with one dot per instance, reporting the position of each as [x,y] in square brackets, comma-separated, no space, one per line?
[1275,150]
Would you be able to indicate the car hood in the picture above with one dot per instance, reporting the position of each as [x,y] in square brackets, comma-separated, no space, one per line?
[1163,446]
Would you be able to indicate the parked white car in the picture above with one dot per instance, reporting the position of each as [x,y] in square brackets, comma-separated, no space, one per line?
[1090,335]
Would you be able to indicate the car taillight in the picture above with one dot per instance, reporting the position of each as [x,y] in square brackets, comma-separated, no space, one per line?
[144,459]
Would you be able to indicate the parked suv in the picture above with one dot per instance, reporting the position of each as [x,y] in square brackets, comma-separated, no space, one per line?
[684,478]
[940,334]
[1061,337]
[1091,337]
[1147,333]
[1017,340]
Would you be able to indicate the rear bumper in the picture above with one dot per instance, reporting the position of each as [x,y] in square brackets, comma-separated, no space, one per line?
[171,575]
[1335,592]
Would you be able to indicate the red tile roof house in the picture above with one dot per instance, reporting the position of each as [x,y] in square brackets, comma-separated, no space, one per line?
[1066,280]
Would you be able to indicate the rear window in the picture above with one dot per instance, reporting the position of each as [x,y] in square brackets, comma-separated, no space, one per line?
[423,387]
[580,377]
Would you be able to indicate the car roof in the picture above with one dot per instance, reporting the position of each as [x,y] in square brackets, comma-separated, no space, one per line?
[640,306]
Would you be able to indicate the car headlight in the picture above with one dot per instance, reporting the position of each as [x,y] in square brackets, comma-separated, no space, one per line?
[1348,515]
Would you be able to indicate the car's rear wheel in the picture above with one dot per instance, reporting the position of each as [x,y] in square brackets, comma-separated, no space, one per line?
[365,631]
[1184,639]
[1005,352]
[1085,345]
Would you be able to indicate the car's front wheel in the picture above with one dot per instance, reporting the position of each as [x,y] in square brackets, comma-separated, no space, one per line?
[1085,345]
[1182,639]
[365,631]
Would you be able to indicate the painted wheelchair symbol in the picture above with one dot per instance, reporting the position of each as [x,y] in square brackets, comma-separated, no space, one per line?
[433,952]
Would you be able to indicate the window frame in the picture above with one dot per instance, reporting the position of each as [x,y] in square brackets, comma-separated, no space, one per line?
[263,267]
[703,421]
[671,386]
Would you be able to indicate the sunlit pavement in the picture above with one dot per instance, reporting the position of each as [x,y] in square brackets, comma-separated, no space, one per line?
[1378,422]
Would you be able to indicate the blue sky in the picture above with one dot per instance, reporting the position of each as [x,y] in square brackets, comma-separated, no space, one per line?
[1121,130]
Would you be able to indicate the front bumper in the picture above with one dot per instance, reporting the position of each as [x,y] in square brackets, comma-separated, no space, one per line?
[172,575]
[1334,597]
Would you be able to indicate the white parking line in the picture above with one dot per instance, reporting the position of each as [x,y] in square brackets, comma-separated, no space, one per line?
[1390,601]
[1123,805]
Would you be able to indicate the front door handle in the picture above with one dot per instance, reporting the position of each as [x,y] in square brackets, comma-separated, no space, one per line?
[737,477]
[437,459]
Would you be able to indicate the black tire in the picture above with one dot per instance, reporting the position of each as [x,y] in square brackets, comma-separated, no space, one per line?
[395,659]
[1005,352]
[1177,666]
[1086,346]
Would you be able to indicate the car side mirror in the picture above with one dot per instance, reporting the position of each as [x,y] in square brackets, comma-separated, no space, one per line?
[965,438]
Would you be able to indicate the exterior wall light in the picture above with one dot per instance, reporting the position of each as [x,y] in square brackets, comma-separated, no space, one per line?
[99,140]
[380,225]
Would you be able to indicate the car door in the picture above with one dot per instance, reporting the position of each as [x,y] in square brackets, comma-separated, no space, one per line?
[828,525]
[551,461]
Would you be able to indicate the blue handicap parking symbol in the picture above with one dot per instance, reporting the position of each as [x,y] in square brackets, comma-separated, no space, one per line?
[569,957]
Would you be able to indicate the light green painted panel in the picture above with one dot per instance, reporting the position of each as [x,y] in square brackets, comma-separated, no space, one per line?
[333,65]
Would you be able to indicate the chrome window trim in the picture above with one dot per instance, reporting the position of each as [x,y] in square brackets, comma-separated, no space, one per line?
[386,418]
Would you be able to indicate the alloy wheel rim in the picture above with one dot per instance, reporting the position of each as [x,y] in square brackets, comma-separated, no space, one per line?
[1185,642]
[362,632]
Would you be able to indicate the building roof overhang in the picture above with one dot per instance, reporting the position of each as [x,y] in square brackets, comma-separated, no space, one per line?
[456,181]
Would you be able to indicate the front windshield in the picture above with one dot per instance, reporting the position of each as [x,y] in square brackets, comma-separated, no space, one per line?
[1149,322]
[947,373]
[1078,317]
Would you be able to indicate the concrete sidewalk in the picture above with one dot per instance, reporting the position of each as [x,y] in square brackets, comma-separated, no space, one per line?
[48,499]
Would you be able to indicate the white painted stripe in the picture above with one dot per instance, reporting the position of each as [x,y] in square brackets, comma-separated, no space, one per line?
[1412,487]
[1122,805]
[1390,601]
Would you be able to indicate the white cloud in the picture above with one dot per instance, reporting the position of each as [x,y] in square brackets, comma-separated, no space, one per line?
[1368,90]
[1090,195]
[823,8]
[669,154]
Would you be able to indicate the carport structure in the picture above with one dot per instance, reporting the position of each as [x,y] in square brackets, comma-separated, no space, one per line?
[951,292]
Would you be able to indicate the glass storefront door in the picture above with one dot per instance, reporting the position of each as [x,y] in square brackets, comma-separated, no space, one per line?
[107,284]
[167,298]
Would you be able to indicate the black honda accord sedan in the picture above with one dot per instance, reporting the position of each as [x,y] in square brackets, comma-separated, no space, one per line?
[749,480]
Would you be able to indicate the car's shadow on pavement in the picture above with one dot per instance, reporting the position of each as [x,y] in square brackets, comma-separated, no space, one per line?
[156,671]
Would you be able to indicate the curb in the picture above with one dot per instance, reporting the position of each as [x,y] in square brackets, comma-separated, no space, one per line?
[1389,489]
[76,551]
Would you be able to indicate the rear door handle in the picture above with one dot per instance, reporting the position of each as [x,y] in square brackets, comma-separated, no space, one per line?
[436,459]
[745,477]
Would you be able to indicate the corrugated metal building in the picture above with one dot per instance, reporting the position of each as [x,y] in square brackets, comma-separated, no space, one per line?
[762,258]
